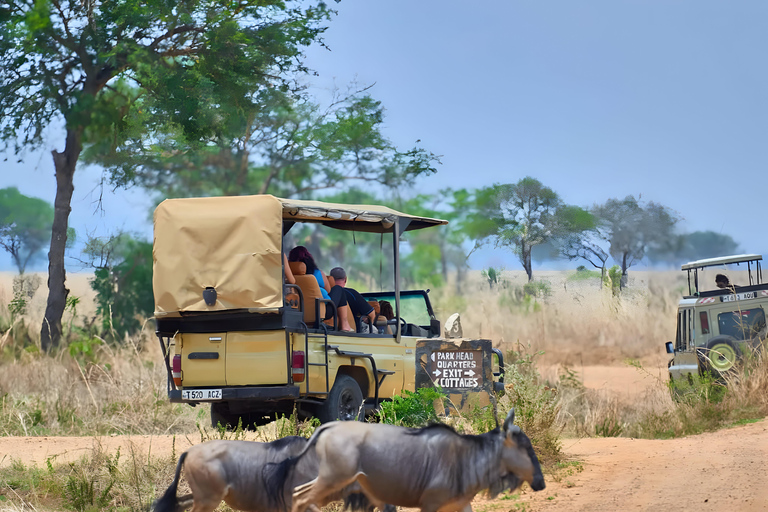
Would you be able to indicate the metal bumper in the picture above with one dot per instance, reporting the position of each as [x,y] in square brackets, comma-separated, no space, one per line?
[262,393]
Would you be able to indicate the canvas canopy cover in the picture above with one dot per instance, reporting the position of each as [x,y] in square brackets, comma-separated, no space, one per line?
[233,244]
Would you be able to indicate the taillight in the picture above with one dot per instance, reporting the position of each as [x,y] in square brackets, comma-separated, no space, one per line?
[176,370]
[297,366]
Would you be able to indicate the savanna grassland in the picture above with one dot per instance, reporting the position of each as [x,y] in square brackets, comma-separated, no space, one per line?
[583,362]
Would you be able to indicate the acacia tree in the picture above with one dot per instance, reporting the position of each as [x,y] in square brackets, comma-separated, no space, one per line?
[531,215]
[25,226]
[632,227]
[86,65]
[287,146]
[582,240]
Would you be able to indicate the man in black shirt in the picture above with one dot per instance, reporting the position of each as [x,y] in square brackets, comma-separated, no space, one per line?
[356,302]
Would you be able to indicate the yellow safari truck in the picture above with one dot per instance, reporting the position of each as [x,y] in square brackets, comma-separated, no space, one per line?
[235,334]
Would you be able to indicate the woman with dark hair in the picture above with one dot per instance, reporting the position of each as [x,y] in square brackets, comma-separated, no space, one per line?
[301,253]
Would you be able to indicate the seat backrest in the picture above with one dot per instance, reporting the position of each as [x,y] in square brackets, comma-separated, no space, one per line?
[310,289]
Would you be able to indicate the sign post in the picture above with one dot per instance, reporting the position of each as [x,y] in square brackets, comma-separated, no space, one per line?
[464,372]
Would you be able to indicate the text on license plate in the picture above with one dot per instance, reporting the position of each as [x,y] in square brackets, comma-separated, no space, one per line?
[739,296]
[201,394]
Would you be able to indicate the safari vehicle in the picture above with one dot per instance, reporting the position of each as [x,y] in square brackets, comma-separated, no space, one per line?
[236,335]
[718,326]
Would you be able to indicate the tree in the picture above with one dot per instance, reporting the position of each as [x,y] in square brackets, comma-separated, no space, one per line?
[582,240]
[632,227]
[89,65]
[531,214]
[122,282]
[288,146]
[25,226]
[694,246]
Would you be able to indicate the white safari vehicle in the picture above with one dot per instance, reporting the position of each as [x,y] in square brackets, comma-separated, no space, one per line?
[722,319]
[236,335]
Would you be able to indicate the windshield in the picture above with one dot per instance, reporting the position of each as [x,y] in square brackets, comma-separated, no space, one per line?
[742,325]
[413,308]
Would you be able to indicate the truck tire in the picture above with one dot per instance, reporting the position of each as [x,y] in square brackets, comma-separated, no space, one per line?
[721,356]
[344,402]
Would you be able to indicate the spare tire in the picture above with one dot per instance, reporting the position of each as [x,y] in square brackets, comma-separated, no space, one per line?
[722,355]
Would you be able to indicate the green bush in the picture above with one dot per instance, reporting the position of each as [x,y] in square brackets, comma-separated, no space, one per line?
[526,298]
[411,409]
[613,279]
[583,274]
[123,286]
[536,405]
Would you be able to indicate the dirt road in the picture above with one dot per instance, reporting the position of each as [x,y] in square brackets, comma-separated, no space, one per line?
[726,470]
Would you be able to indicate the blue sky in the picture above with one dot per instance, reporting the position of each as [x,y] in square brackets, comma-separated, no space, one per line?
[666,100]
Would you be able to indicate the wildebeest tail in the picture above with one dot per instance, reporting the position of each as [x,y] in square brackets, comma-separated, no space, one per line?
[168,501]
[275,474]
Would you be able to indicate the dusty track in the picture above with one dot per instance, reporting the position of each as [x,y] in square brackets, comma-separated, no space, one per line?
[724,470]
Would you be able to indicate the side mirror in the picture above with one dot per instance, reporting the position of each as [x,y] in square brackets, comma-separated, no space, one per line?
[434,327]
[670,347]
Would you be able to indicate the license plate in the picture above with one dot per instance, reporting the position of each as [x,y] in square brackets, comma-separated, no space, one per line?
[739,296]
[201,394]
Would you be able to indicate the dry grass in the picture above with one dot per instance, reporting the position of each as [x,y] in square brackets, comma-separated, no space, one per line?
[123,389]
[579,323]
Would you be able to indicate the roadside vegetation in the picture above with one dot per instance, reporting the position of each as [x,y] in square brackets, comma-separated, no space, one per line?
[102,386]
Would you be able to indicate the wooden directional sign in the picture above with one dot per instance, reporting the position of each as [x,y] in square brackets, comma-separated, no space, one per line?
[461,368]
[456,368]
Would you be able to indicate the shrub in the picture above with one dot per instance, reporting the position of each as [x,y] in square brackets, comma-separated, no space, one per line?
[583,274]
[123,285]
[411,409]
[536,404]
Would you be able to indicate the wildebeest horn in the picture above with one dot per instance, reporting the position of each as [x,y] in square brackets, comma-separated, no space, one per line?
[509,420]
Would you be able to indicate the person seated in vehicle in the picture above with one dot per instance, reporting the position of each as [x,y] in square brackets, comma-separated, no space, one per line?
[386,313]
[357,303]
[289,278]
[722,281]
[302,254]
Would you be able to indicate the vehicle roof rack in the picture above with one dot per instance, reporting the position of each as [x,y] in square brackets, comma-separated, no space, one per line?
[723,260]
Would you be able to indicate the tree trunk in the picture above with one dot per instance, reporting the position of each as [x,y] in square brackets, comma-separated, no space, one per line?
[525,258]
[64,163]
[624,278]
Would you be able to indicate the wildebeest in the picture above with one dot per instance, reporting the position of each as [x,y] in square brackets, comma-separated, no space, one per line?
[433,468]
[232,471]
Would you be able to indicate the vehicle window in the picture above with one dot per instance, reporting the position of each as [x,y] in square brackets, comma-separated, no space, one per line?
[684,328]
[742,325]
[704,318]
[413,308]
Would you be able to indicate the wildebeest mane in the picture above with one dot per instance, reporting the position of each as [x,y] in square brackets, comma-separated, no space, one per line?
[284,442]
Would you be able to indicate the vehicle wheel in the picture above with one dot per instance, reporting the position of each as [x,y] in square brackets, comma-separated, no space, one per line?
[344,402]
[722,355]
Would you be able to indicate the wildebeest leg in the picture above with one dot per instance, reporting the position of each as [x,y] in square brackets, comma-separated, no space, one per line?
[365,485]
[208,489]
[316,492]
